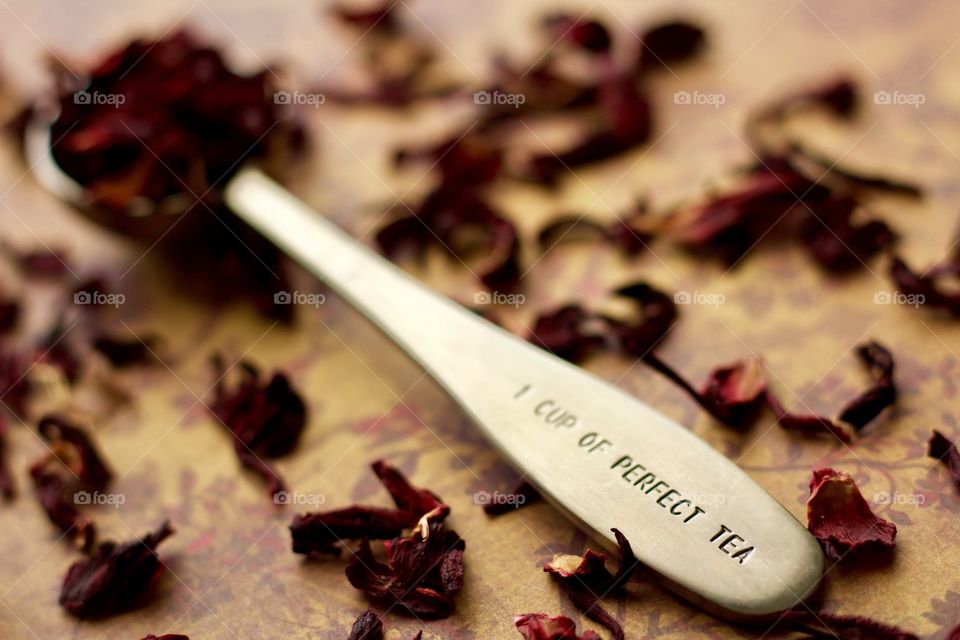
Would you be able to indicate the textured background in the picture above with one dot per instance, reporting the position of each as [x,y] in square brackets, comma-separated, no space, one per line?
[231,572]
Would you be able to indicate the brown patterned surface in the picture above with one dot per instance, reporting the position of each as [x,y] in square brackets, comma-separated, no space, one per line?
[231,572]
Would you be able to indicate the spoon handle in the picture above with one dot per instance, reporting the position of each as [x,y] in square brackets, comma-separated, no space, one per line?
[603,457]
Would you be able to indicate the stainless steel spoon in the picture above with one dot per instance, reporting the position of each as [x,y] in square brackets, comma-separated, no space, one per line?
[600,455]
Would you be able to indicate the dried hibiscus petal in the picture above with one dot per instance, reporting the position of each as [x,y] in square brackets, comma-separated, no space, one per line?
[821,625]
[367,627]
[732,394]
[266,420]
[421,574]
[43,263]
[631,234]
[166,636]
[860,411]
[540,626]
[125,352]
[839,517]
[670,42]
[586,579]
[942,450]
[573,333]
[934,287]
[589,35]
[72,464]
[322,531]
[116,578]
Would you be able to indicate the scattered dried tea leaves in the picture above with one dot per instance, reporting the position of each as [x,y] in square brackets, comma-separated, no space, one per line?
[840,518]
[422,574]
[321,532]
[732,394]
[821,625]
[934,288]
[126,352]
[265,420]
[115,578]
[573,333]
[857,413]
[586,579]
[540,626]
[367,627]
[171,119]
[943,450]
[72,464]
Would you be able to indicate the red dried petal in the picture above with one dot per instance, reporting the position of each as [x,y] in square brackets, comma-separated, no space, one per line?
[839,517]
[732,394]
[123,352]
[820,625]
[934,288]
[75,450]
[166,636]
[586,579]
[670,42]
[367,627]
[570,332]
[943,450]
[321,532]
[43,263]
[806,425]
[265,420]
[116,578]
[421,576]
[540,626]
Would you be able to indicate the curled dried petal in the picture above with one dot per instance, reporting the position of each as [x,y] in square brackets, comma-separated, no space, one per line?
[116,578]
[367,627]
[943,450]
[839,517]
[540,626]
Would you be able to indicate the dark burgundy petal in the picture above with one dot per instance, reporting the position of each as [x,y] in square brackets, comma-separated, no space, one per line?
[44,263]
[266,420]
[321,532]
[933,288]
[540,626]
[839,517]
[732,394]
[821,625]
[57,502]
[116,578]
[125,352]
[166,636]
[9,314]
[586,580]
[75,450]
[943,450]
[807,425]
[409,499]
[421,575]
[879,363]
[657,315]
[15,386]
[569,332]
[380,17]
[670,42]
[367,627]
